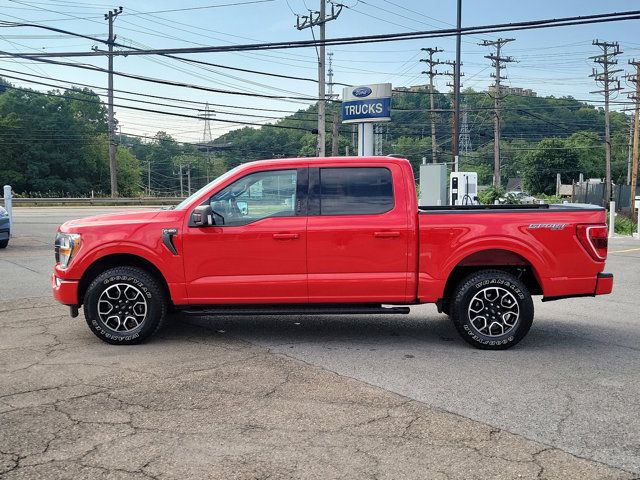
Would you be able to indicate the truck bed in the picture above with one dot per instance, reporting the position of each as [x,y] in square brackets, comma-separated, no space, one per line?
[545,207]
[541,238]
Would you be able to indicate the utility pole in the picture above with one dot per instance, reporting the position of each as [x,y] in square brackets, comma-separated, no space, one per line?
[432,73]
[496,61]
[206,135]
[111,126]
[455,74]
[181,186]
[636,115]
[334,135]
[188,179]
[629,147]
[457,86]
[149,178]
[330,75]
[377,137]
[465,135]
[320,18]
[610,83]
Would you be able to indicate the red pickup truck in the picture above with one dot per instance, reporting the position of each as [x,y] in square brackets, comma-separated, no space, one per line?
[328,236]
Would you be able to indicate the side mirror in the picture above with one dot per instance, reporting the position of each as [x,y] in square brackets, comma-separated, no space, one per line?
[201,216]
[243,207]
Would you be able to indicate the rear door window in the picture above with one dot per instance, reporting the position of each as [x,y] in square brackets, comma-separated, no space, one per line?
[355,191]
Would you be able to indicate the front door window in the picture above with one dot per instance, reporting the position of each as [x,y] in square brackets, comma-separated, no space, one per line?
[254,197]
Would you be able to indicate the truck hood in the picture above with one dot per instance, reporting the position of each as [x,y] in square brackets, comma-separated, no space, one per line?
[138,216]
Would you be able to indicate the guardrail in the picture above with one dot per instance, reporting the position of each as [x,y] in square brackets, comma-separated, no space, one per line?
[89,202]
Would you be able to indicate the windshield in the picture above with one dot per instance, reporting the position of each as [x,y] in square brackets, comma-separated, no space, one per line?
[208,186]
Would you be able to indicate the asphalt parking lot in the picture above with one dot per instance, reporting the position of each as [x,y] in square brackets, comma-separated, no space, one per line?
[314,397]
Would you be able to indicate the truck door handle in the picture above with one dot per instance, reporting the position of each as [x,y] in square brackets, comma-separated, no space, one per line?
[386,234]
[285,236]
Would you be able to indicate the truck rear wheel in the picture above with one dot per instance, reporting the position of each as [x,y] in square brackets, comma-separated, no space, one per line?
[492,310]
[124,306]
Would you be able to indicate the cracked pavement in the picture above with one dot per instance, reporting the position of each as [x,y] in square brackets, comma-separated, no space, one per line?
[199,403]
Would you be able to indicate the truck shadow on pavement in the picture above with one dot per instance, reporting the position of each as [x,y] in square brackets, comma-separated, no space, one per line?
[361,331]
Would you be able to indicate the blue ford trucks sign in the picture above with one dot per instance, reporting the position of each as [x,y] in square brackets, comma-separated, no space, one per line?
[366,103]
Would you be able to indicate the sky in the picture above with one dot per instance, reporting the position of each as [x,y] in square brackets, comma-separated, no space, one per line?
[550,61]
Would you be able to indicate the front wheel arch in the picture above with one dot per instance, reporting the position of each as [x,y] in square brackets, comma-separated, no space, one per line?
[120,260]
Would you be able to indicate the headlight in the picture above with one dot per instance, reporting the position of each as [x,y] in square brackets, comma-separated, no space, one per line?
[3,213]
[67,244]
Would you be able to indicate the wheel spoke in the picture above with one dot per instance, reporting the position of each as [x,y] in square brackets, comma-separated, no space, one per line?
[493,311]
[122,307]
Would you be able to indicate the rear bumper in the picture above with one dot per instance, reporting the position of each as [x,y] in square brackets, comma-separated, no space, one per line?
[65,291]
[604,286]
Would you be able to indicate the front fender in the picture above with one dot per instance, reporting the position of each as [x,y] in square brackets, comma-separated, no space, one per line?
[171,268]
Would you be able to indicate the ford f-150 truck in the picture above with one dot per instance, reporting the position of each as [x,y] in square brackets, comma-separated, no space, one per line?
[328,236]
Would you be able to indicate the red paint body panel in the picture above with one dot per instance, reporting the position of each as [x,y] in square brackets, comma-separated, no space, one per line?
[246,264]
[402,256]
[66,292]
[561,264]
[361,258]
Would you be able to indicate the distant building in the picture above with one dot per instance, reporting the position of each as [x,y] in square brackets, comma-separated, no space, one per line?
[413,88]
[504,90]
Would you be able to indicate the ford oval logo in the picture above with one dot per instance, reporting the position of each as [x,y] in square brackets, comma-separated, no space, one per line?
[361,92]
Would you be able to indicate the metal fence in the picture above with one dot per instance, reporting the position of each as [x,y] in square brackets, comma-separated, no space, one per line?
[593,193]
[87,202]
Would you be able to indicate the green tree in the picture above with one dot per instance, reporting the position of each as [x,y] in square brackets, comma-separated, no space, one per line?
[550,157]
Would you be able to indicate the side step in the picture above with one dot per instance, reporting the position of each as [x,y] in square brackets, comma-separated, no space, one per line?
[298,309]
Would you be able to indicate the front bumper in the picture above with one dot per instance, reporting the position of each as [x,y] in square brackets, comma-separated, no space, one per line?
[65,291]
[4,233]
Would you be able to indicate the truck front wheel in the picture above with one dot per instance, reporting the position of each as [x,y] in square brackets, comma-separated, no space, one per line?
[492,310]
[124,306]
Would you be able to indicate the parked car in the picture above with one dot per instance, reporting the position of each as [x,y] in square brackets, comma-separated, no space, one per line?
[5,229]
[328,236]
[517,197]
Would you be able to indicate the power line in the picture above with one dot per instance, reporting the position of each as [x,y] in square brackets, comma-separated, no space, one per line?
[162,112]
[320,18]
[146,95]
[200,8]
[158,80]
[389,37]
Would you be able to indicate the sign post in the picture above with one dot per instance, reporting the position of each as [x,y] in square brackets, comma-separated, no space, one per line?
[366,105]
[8,205]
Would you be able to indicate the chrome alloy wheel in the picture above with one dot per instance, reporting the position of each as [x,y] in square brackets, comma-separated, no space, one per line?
[122,307]
[493,311]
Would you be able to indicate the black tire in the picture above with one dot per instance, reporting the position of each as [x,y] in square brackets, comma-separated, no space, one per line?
[484,306]
[445,307]
[4,243]
[136,299]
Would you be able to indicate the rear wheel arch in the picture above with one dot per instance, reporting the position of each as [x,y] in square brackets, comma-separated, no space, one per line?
[494,259]
[103,264]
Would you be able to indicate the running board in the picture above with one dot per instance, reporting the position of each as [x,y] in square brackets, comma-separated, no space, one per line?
[305,309]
